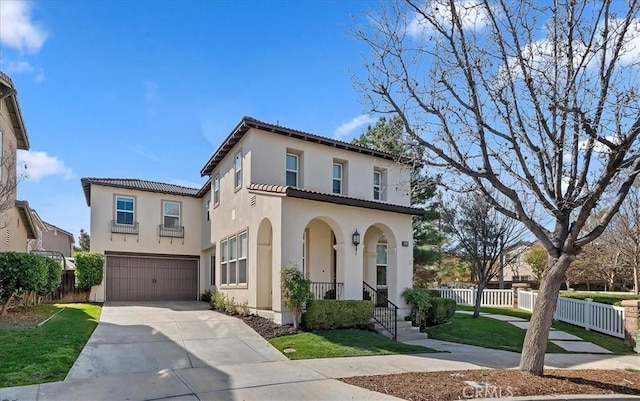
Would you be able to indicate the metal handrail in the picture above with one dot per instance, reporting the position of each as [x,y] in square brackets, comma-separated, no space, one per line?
[386,312]
[124,228]
[173,232]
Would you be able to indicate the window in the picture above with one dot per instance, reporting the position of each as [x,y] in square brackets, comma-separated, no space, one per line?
[171,214]
[337,178]
[377,185]
[224,263]
[208,210]
[216,190]
[381,264]
[125,210]
[237,166]
[292,170]
[212,269]
[233,260]
[304,251]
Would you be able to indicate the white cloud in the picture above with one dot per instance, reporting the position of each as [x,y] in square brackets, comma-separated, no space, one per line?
[353,124]
[471,13]
[40,165]
[599,147]
[150,90]
[18,30]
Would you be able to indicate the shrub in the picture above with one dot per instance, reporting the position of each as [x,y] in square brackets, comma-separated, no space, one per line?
[89,269]
[419,299]
[296,291]
[441,311]
[338,314]
[230,306]
[434,293]
[217,302]
[243,309]
[23,274]
[54,276]
[206,296]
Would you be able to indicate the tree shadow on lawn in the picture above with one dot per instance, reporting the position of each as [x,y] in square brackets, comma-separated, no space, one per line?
[368,342]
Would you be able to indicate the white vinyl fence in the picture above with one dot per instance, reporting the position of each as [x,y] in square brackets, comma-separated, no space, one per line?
[595,316]
[468,296]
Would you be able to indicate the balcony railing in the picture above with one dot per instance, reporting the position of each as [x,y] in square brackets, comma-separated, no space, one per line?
[326,290]
[124,228]
[173,232]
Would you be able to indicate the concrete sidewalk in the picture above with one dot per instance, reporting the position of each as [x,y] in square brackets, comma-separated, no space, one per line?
[310,379]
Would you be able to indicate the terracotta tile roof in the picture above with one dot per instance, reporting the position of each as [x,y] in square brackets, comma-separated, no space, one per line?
[293,192]
[249,122]
[8,91]
[136,184]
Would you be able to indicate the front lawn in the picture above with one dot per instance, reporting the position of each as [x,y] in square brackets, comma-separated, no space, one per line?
[19,318]
[45,354]
[341,343]
[492,333]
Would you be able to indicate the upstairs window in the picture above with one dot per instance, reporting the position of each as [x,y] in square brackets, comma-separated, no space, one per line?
[125,210]
[377,185]
[216,190]
[237,167]
[171,214]
[208,210]
[337,178]
[292,170]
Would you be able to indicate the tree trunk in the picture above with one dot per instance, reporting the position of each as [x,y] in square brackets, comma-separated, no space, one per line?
[478,300]
[636,284]
[535,341]
[296,315]
[5,307]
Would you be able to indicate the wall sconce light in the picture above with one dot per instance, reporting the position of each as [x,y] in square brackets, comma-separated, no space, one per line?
[355,238]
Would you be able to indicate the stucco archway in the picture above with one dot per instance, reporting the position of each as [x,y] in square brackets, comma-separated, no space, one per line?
[323,257]
[264,299]
[380,261]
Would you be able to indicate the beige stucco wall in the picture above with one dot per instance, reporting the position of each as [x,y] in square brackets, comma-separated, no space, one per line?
[148,214]
[13,233]
[54,240]
[316,163]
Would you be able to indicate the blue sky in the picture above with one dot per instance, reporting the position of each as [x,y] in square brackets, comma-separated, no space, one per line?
[148,89]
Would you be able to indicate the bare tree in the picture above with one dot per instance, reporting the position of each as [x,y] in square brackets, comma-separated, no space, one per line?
[10,176]
[481,235]
[535,101]
[625,235]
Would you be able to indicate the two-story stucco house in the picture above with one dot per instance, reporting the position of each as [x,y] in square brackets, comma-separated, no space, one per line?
[16,226]
[275,197]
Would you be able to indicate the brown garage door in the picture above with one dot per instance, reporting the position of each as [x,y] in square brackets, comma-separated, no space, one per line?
[136,278]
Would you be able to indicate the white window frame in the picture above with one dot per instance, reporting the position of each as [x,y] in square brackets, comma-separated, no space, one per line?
[216,190]
[237,170]
[133,211]
[165,214]
[377,188]
[208,207]
[239,259]
[212,268]
[339,179]
[288,170]
[385,265]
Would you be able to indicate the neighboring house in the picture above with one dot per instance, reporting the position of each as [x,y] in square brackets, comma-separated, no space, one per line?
[16,225]
[516,269]
[40,227]
[275,197]
[57,240]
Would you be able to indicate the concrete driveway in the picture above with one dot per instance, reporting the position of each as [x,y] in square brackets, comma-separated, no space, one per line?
[150,337]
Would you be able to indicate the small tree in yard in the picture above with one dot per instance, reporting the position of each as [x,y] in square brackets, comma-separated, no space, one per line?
[535,103]
[89,269]
[296,291]
[481,234]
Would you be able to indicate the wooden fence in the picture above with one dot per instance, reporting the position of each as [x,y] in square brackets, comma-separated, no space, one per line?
[67,292]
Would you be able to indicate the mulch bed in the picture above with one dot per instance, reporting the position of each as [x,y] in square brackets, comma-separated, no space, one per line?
[267,328]
[500,383]
[19,318]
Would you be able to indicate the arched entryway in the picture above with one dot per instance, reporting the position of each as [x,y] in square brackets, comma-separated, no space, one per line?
[380,260]
[265,265]
[322,258]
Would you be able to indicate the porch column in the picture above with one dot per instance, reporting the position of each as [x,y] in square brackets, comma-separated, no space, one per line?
[392,275]
[631,313]
[370,266]
[351,271]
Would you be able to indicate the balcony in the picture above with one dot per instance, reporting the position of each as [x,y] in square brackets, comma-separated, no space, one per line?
[124,228]
[172,232]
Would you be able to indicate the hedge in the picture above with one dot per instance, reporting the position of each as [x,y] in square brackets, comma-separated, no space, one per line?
[89,269]
[338,314]
[441,311]
[54,276]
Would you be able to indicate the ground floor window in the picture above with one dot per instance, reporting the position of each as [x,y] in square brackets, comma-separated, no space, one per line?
[233,259]
[212,269]
[381,264]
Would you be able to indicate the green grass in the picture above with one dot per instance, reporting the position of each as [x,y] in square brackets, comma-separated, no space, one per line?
[18,318]
[609,299]
[340,343]
[613,344]
[45,354]
[483,332]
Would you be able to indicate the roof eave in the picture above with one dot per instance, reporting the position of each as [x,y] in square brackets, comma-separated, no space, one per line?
[25,214]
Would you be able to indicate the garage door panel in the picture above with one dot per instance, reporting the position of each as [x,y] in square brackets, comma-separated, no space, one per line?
[151,279]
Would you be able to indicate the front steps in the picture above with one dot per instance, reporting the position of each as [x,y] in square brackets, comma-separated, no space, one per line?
[406,332]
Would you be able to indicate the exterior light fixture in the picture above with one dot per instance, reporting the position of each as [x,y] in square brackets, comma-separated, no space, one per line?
[355,238]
